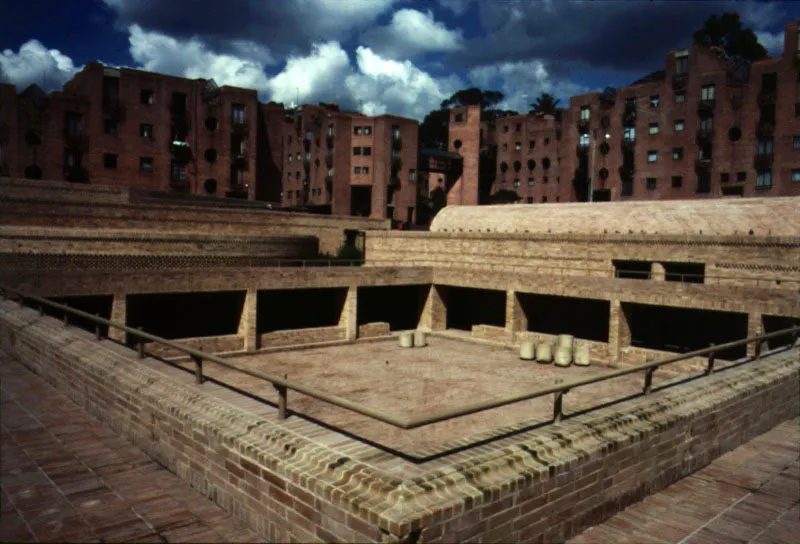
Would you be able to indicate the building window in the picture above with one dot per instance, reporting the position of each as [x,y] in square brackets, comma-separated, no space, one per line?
[544,179]
[795,142]
[517,146]
[412,175]
[679,125]
[677,181]
[741,176]
[147,97]
[707,124]
[357,170]
[531,144]
[365,170]
[178,169]
[331,130]
[110,126]
[764,180]
[146,131]
[677,153]
[367,131]
[585,112]
[796,175]
[358,131]
[655,100]
[72,123]
[459,118]
[765,146]
[516,184]
[109,160]
[290,157]
[237,114]
[680,97]
[544,200]
[653,128]
[297,175]
[289,140]
[146,164]
[724,177]
[708,92]
[629,134]
[505,147]
[681,64]
[367,151]
[530,200]
[531,182]
[651,183]
[584,140]
[652,156]
[518,128]
[356,151]
[546,141]
[298,157]
[505,128]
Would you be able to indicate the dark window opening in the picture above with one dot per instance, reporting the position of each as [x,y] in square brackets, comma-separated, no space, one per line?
[186,315]
[399,306]
[467,307]
[632,270]
[685,272]
[299,309]
[583,318]
[99,305]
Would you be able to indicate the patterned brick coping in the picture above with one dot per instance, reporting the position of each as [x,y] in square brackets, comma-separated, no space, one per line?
[549,483]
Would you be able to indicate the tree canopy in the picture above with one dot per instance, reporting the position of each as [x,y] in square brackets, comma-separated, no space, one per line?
[726,31]
[546,103]
[433,129]
[473,97]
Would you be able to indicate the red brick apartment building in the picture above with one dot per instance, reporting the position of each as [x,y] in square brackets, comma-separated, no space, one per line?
[705,126]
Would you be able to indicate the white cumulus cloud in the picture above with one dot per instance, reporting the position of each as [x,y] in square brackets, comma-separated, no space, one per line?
[34,63]
[411,33]
[314,77]
[191,58]
[772,42]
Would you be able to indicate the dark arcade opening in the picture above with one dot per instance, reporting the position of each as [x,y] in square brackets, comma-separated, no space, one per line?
[773,323]
[681,330]
[99,305]
[581,317]
[288,309]
[400,306]
[468,306]
[186,315]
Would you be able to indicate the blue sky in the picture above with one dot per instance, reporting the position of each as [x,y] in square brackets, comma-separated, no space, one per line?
[378,56]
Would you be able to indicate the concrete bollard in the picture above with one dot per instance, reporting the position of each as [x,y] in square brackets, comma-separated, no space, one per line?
[563,356]
[582,357]
[526,350]
[406,340]
[420,339]
[566,341]
[544,353]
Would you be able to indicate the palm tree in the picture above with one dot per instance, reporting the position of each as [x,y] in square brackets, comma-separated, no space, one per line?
[545,104]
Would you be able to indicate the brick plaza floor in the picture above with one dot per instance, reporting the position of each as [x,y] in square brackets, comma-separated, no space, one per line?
[66,477]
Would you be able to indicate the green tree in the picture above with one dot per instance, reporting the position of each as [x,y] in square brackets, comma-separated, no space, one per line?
[473,97]
[546,103]
[726,31]
[433,129]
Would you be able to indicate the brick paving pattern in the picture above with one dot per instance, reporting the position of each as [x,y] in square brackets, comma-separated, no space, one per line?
[66,477]
[751,494]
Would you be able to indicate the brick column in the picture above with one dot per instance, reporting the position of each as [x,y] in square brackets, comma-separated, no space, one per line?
[248,322]
[619,332]
[349,317]
[434,313]
[119,314]
[755,327]
[657,272]
[516,320]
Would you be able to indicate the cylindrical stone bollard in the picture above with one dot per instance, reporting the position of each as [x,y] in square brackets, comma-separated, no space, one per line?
[420,339]
[563,356]
[582,357]
[544,353]
[566,341]
[406,340]
[527,351]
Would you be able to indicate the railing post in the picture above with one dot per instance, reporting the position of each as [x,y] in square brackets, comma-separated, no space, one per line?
[648,379]
[282,400]
[3,294]
[97,332]
[758,350]
[66,317]
[141,345]
[711,357]
[558,405]
[41,310]
[198,369]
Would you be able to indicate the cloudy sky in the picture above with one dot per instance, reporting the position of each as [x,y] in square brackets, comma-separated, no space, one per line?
[377,56]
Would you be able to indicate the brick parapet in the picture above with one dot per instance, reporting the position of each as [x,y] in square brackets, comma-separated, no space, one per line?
[547,483]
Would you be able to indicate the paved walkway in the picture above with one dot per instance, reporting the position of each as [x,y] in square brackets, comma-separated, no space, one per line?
[752,494]
[66,477]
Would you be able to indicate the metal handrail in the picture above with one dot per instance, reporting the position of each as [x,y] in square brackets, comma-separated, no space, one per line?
[283,385]
[265,263]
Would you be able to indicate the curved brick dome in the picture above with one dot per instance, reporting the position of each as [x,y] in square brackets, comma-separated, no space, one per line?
[764,216]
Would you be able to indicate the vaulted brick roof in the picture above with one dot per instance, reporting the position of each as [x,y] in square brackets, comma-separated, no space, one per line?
[764,216]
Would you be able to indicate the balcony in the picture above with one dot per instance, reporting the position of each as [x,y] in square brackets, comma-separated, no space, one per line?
[704,134]
[765,129]
[679,81]
[240,160]
[702,164]
[239,126]
[628,143]
[394,182]
[583,125]
[329,140]
[76,140]
[766,98]
[581,149]
[707,105]
[763,161]
[703,184]
[397,142]
[180,117]
[180,150]
[397,163]
[112,109]
[329,158]
[328,182]
[629,118]
[179,184]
